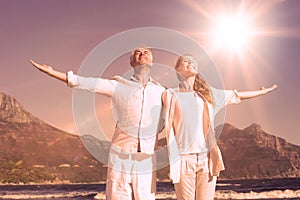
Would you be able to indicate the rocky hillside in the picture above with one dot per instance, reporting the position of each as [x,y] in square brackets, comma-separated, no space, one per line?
[12,112]
[33,151]
[252,153]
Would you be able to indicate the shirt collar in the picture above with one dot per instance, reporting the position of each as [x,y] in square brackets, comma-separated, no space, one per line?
[132,78]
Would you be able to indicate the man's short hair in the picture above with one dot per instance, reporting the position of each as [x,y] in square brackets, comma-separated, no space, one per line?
[145,47]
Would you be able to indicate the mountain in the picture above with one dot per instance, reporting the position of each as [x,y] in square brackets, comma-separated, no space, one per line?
[252,153]
[33,151]
[12,112]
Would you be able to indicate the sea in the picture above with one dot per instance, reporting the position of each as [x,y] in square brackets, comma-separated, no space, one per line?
[165,190]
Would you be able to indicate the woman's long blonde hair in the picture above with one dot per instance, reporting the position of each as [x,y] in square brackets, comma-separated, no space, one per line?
[201,86]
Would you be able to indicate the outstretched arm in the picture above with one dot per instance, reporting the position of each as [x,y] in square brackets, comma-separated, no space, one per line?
[50,71]
[251,94]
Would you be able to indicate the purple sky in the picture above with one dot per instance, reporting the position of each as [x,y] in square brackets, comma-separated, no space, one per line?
[62,33]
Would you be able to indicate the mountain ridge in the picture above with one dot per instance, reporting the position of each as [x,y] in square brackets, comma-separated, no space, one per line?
[12,111]
[33,151]
[260,154]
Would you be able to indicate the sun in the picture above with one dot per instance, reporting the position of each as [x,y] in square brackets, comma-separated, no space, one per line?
[232,33]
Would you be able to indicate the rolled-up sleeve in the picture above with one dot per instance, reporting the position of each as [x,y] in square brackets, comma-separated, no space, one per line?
[72,79]
[223,98]
[99,85]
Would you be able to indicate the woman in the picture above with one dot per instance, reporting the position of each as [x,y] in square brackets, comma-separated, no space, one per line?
[195,159]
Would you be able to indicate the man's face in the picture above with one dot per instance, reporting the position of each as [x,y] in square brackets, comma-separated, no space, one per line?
[141,56]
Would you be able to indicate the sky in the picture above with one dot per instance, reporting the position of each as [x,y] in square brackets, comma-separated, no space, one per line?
[62,33]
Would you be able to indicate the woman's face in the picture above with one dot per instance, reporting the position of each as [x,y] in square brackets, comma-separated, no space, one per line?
[187,66]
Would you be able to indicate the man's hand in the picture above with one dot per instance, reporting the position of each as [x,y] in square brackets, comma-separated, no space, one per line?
[50,71]
[44,68]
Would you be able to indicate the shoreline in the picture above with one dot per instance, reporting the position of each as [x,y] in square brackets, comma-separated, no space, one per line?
[220,182]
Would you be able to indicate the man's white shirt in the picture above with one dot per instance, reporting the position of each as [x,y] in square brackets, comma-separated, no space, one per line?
[137,109]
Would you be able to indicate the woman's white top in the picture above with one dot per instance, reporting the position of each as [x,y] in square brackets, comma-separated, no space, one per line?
[188,125]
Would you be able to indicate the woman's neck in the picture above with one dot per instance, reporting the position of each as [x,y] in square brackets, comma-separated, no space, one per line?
[187,84]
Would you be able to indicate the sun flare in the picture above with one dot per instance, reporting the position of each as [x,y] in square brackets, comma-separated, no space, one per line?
[232,33]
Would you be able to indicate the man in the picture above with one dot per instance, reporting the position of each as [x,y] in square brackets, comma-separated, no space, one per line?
[138,107]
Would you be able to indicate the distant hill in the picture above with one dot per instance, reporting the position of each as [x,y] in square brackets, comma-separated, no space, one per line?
[33,151]
[252,153]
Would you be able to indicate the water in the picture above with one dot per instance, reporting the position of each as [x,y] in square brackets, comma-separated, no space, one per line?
[164,190]
[58,192]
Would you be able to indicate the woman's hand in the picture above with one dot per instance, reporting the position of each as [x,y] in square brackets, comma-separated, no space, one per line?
[267,90]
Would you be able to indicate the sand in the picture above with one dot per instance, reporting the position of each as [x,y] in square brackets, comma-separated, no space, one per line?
[222,195]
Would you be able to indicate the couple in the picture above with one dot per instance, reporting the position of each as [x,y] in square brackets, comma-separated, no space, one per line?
[140,104]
